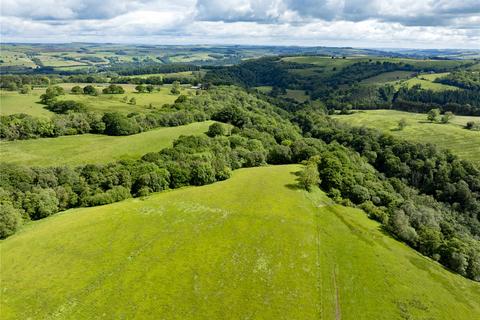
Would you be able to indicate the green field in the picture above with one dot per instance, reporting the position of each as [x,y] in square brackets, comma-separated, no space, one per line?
[14,102]
[453,136]
[388,77]
[92,148]
[251,247]
[113,102]
[426,82]
[325,66]
[183,74]
[13,58]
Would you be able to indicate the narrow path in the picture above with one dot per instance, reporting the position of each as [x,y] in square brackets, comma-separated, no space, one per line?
[338,310]
[319,276]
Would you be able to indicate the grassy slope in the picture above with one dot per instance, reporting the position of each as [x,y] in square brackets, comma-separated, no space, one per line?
[113,102]
[90,148]
[249,247]
[426,82]
[388,77]
[462,142]
[14,102]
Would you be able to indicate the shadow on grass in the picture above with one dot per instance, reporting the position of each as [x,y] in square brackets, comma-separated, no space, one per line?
[295,186]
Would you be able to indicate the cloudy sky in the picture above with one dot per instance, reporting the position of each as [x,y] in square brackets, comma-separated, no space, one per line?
[359,23]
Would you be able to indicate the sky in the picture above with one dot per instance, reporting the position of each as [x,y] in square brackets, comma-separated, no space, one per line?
[356,23]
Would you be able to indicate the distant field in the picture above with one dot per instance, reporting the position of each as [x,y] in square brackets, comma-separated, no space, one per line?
[323,60]
[426,82]
[298,95]
[325,66]
[388,77]
[251,247]
[14,102]
[264,89]
[453,136]
[58,61]
[113,102]
[183,74]
[90,148]
[13,58]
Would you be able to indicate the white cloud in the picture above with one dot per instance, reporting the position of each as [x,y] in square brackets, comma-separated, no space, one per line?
[374,23]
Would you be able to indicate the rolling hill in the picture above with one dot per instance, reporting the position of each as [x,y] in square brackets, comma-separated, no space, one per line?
[251,247]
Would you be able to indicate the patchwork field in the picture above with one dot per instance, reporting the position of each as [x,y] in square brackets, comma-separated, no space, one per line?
[453,136]
[91,148]
[253,246]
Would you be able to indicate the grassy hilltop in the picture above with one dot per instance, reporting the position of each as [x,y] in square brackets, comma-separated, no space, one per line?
[253,246]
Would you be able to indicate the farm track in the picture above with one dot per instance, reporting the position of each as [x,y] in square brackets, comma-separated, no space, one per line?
[338,310]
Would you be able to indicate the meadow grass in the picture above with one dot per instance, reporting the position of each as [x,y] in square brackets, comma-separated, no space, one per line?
[114,102]
[264,89]
[453,136]
[14,58]
[92,148]
[182,74]
[12,102]
[251,247]
[388,77]
[426,82]
[298,95]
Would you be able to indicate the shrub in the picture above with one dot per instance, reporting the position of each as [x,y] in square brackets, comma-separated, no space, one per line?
[472,125]
[40,203]
[117,124]
[10,219]
[67,106]
[113,89]
[216,129]
[90,90]
[76,90]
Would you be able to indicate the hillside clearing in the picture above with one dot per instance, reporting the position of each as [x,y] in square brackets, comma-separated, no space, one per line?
[92,148]
[12,102]
[253,246]
[453,136]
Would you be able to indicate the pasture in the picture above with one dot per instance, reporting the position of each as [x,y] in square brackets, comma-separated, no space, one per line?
[114,102]
[426,82]
[462,142]
[13,102]
[253,246]
[388,77]
[91,148]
